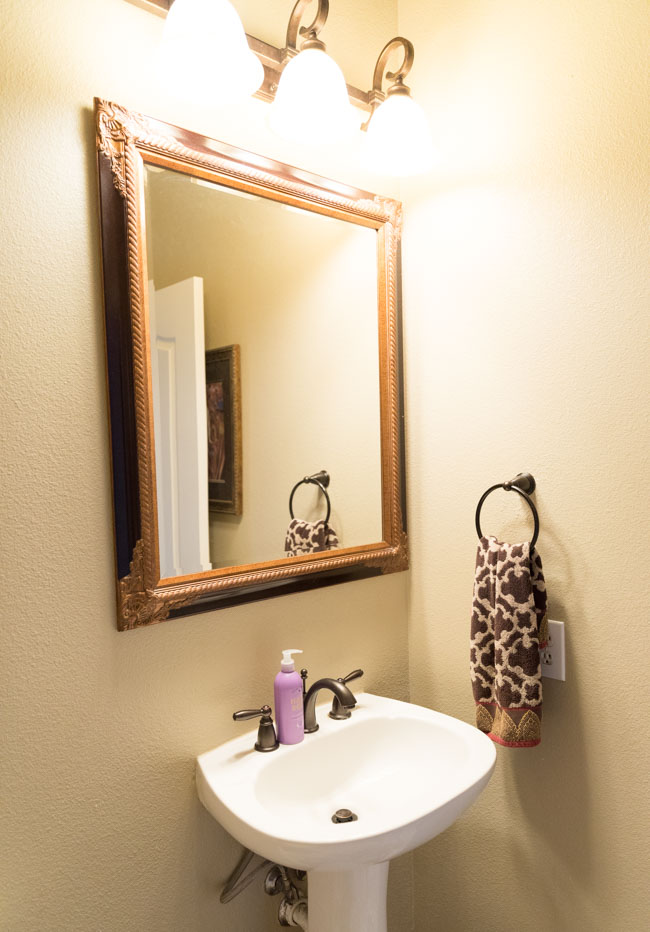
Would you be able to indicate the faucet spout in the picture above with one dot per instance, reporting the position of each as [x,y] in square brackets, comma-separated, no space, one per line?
[340,690]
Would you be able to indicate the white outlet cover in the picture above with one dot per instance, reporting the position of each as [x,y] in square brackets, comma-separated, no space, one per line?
[553,655]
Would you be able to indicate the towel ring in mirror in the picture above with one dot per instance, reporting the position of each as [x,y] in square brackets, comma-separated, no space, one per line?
[321,479]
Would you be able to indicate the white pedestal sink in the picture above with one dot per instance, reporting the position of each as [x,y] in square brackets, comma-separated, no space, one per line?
[406,772]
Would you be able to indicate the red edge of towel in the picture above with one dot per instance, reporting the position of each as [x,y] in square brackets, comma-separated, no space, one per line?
[512,744]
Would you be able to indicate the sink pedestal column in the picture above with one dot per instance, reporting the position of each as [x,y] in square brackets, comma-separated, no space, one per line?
[348,901]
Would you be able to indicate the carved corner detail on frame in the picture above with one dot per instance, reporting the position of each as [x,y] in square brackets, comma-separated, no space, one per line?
[116,130]
[392,210]
[396,559]
[139,606]
[402,552]
[112,138]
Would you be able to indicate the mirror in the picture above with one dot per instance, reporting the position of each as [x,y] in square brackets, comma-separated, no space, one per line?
[252,325]
[295,293]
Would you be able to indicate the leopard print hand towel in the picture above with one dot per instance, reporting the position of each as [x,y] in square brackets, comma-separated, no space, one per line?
[309,537]
[508,629]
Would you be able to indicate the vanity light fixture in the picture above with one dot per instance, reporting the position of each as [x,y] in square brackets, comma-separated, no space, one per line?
[204,52]
[311,103]
[398,139]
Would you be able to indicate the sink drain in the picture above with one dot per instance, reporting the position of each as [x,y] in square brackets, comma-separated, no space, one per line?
[344,815]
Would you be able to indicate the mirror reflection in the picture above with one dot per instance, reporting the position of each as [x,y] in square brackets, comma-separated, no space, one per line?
[265,370]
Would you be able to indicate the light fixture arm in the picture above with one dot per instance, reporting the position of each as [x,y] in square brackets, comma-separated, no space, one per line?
[294,29]
[396,76]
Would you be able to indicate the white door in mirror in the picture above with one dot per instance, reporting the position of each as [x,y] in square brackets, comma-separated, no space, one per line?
[180,426]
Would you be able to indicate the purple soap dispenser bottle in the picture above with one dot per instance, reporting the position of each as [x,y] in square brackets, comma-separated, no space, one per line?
[287,691]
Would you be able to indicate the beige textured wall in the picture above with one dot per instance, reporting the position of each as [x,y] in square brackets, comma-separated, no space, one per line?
[527,347]
[100,827]
[527,317]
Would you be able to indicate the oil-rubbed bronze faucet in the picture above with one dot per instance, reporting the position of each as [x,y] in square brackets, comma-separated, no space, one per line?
[343,698]
[337,711]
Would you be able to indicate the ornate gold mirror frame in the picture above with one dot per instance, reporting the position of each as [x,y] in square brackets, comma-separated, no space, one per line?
[126,141]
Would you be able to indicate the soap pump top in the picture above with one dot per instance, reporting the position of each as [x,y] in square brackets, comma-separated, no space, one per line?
[288,665]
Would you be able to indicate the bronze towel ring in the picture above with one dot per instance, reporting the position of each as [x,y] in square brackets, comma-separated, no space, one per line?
[524,485]
[322,480]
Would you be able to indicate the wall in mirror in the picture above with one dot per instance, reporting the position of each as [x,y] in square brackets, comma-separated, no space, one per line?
[253,339]
[296,293]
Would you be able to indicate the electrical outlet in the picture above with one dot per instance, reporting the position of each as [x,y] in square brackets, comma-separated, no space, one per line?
[552,656]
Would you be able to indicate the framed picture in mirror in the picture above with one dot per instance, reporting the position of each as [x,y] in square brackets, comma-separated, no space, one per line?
[223,402]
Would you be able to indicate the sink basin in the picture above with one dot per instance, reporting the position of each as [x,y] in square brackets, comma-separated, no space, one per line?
[404,771]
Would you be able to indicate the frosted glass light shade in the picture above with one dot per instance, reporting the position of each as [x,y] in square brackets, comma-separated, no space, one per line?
[398,140]
[204,53]
[311,103]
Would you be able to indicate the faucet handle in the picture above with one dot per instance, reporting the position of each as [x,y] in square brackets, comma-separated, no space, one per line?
[337,711]
[351,676]
[267,740]
[245,714]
